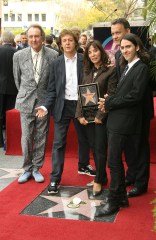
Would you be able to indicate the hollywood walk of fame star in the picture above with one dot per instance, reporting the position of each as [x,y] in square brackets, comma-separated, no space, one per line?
[89,97]
[87,209]
[11,173]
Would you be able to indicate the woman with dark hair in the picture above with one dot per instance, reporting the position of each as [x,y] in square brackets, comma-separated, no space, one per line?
[96,70]
[125,119]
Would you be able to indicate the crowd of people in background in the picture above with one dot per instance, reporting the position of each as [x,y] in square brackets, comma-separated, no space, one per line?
[40,75]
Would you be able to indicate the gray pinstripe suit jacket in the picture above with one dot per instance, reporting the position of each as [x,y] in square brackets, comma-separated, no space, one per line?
[31,94]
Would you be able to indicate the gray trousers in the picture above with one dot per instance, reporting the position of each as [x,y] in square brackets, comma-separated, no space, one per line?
[33,141]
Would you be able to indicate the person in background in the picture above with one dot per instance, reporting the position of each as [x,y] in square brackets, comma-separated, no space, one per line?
[48,42]
[125,118]
[8,90]
[31,73]
[24,40]
[62,96]
[96,70]
[17,41]
[77,32]
[83,41]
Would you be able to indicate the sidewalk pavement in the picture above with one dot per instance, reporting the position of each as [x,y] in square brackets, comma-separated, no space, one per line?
[10,168]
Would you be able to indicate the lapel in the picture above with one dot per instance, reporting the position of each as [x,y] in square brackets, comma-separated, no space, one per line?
[44,63]
[61,73]
[28,63]
[128,74]
[79,68]
[100,71]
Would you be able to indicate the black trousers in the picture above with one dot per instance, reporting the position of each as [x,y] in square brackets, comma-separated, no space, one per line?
[116,146]
[7,102]
[138,171]
[97,138]
[59,143]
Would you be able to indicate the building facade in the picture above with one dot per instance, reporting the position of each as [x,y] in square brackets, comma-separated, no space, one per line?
[17,14]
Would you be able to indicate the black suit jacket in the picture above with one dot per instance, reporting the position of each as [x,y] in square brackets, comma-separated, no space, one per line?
[56,87]
[148,110]
[126,106]
[7,83]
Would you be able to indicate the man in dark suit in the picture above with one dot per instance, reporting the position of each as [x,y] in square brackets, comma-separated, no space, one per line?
[125,119]
[65,75]
[31,73]
[138,170]
[8,90]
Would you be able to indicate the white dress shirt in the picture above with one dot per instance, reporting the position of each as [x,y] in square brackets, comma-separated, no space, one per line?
[71,89]
[130,65]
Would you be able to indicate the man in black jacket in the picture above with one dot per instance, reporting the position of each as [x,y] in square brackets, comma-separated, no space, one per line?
[8,90]
[138,171]
[65,75]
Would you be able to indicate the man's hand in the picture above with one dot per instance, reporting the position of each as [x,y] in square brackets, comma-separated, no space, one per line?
[97,121]
[83,121]
[102,103]
[40,112]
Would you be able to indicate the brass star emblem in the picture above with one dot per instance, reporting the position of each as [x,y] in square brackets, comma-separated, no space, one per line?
[89,97]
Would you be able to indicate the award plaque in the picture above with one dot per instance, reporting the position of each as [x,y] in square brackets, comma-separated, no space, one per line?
[89,97]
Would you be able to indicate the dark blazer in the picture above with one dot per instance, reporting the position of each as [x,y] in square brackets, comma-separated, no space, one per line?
[148,110]
[126,106]
[7,83]
[107,82]
[56,87]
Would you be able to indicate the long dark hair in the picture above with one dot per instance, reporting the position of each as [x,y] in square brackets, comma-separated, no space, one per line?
[88,65]
[136,41]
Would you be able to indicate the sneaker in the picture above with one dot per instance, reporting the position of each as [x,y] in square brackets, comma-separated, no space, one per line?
[38,176]
[53,188]
[25,177]
[88,170]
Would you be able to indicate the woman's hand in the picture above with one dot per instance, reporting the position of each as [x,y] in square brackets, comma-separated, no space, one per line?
[83,121]
[97,121]
[40,112]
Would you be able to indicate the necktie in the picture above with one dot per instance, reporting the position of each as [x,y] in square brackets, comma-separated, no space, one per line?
[123,74]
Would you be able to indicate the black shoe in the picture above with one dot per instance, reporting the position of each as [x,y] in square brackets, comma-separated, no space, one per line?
[124,203]
[128,183]
[107,209]
[88,170]
[97,193]
[134,192]
[53,188]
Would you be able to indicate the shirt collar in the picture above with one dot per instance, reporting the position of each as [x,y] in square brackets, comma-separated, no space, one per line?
[33,53]
[133,62]
[67,59]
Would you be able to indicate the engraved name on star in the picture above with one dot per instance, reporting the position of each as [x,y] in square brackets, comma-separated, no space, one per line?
[89,97]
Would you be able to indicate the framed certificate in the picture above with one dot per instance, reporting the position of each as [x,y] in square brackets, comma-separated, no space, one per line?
[89,97]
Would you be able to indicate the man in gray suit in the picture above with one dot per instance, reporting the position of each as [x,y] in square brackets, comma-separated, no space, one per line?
[31,73]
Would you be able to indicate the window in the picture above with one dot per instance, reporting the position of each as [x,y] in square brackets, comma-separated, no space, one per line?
[19,17]
[29,17]
[13,17]
[6,17]
[36,17]
[43,17]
